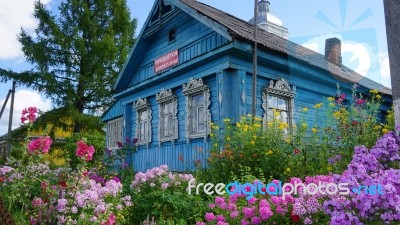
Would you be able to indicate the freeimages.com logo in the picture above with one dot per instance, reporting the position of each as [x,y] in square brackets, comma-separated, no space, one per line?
[279,189]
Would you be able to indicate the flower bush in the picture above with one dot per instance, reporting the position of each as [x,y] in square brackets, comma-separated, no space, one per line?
[162,194]
[59,195]
[309,147]
[368,167]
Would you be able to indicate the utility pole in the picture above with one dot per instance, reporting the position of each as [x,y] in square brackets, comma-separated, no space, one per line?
[254,89]
[10,118]
[392,12]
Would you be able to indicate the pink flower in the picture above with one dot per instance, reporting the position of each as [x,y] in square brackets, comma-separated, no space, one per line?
[360,101]
[32,110]
[40,145]
[29,114]
[84,151]
[111,220]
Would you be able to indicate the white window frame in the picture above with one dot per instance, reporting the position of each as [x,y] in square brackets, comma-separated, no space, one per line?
[141,105]
[281,89]
[163,98]
[192,88]
[114,133]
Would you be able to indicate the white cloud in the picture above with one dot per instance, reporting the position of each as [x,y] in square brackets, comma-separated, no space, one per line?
[385,69]
[317,43]
[23,99]
[14,15]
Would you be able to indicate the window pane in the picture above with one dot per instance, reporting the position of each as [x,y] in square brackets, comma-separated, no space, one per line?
[193,119]
[197,100]
[142,132]
[143,115]
[167,108]
[270,114]
[272,102]
[168,126]
[284,117]
[282,104]
[201,119]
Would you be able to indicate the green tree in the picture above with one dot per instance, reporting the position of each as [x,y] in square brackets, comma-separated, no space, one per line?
[76,55]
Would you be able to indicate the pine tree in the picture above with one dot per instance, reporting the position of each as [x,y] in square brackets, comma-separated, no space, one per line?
[76,54]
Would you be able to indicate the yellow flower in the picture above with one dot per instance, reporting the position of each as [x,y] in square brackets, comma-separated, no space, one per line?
[378,127]
[253,142]
[215,145]
[314,130]
[337,114]
[287,140]
[254,137]
[212,124]
[288,169]
[283,126]
[317,106]
[331,99]
[378,97]
[257,118]
[374,91]
[249,115]
[228,138]
[238,124]
[277,113]
[216,127]
[305,109]
[384,130]
[227,120]
[331,104]
[257,125]
[304,125]
[329,168]
[211,135]
[270,152]
[269,124]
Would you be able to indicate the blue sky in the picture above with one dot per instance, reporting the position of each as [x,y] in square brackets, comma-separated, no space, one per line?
[359,24]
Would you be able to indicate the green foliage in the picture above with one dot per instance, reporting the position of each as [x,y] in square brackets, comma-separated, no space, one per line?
[76,53]
[96,139]
[249,149]
[162,194]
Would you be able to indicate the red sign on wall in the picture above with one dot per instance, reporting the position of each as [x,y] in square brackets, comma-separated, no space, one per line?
[166,61]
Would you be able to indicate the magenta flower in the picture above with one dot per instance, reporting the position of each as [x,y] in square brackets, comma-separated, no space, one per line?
[39,145]
[210,216]
[84,151]
[29,114]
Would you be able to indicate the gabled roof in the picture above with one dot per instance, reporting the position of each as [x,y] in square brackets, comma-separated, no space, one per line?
[232,27]
[240,29]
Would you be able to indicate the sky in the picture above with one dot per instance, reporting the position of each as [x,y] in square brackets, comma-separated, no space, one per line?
[359,24]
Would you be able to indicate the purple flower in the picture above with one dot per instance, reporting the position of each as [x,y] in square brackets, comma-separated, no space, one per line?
[210,216]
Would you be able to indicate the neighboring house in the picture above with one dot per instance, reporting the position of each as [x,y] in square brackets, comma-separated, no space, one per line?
[192,65]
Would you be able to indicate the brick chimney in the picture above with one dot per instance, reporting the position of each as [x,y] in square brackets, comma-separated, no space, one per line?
[333,51]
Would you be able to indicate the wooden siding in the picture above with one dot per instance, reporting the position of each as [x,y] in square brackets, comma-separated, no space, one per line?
[178,157]
[193,39]
[115,110]
[157,153]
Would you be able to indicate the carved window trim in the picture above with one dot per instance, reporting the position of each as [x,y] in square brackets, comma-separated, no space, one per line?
[282,89]
[141,105]
[167,97]
[193,88]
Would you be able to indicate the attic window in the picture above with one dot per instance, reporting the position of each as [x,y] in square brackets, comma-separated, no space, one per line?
[172,34]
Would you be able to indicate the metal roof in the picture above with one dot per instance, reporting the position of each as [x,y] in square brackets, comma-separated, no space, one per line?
[240,29]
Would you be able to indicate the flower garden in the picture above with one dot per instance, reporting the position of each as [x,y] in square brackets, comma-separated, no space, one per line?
[352,145]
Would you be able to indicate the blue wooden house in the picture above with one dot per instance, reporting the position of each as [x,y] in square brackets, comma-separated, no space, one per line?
[192,65]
